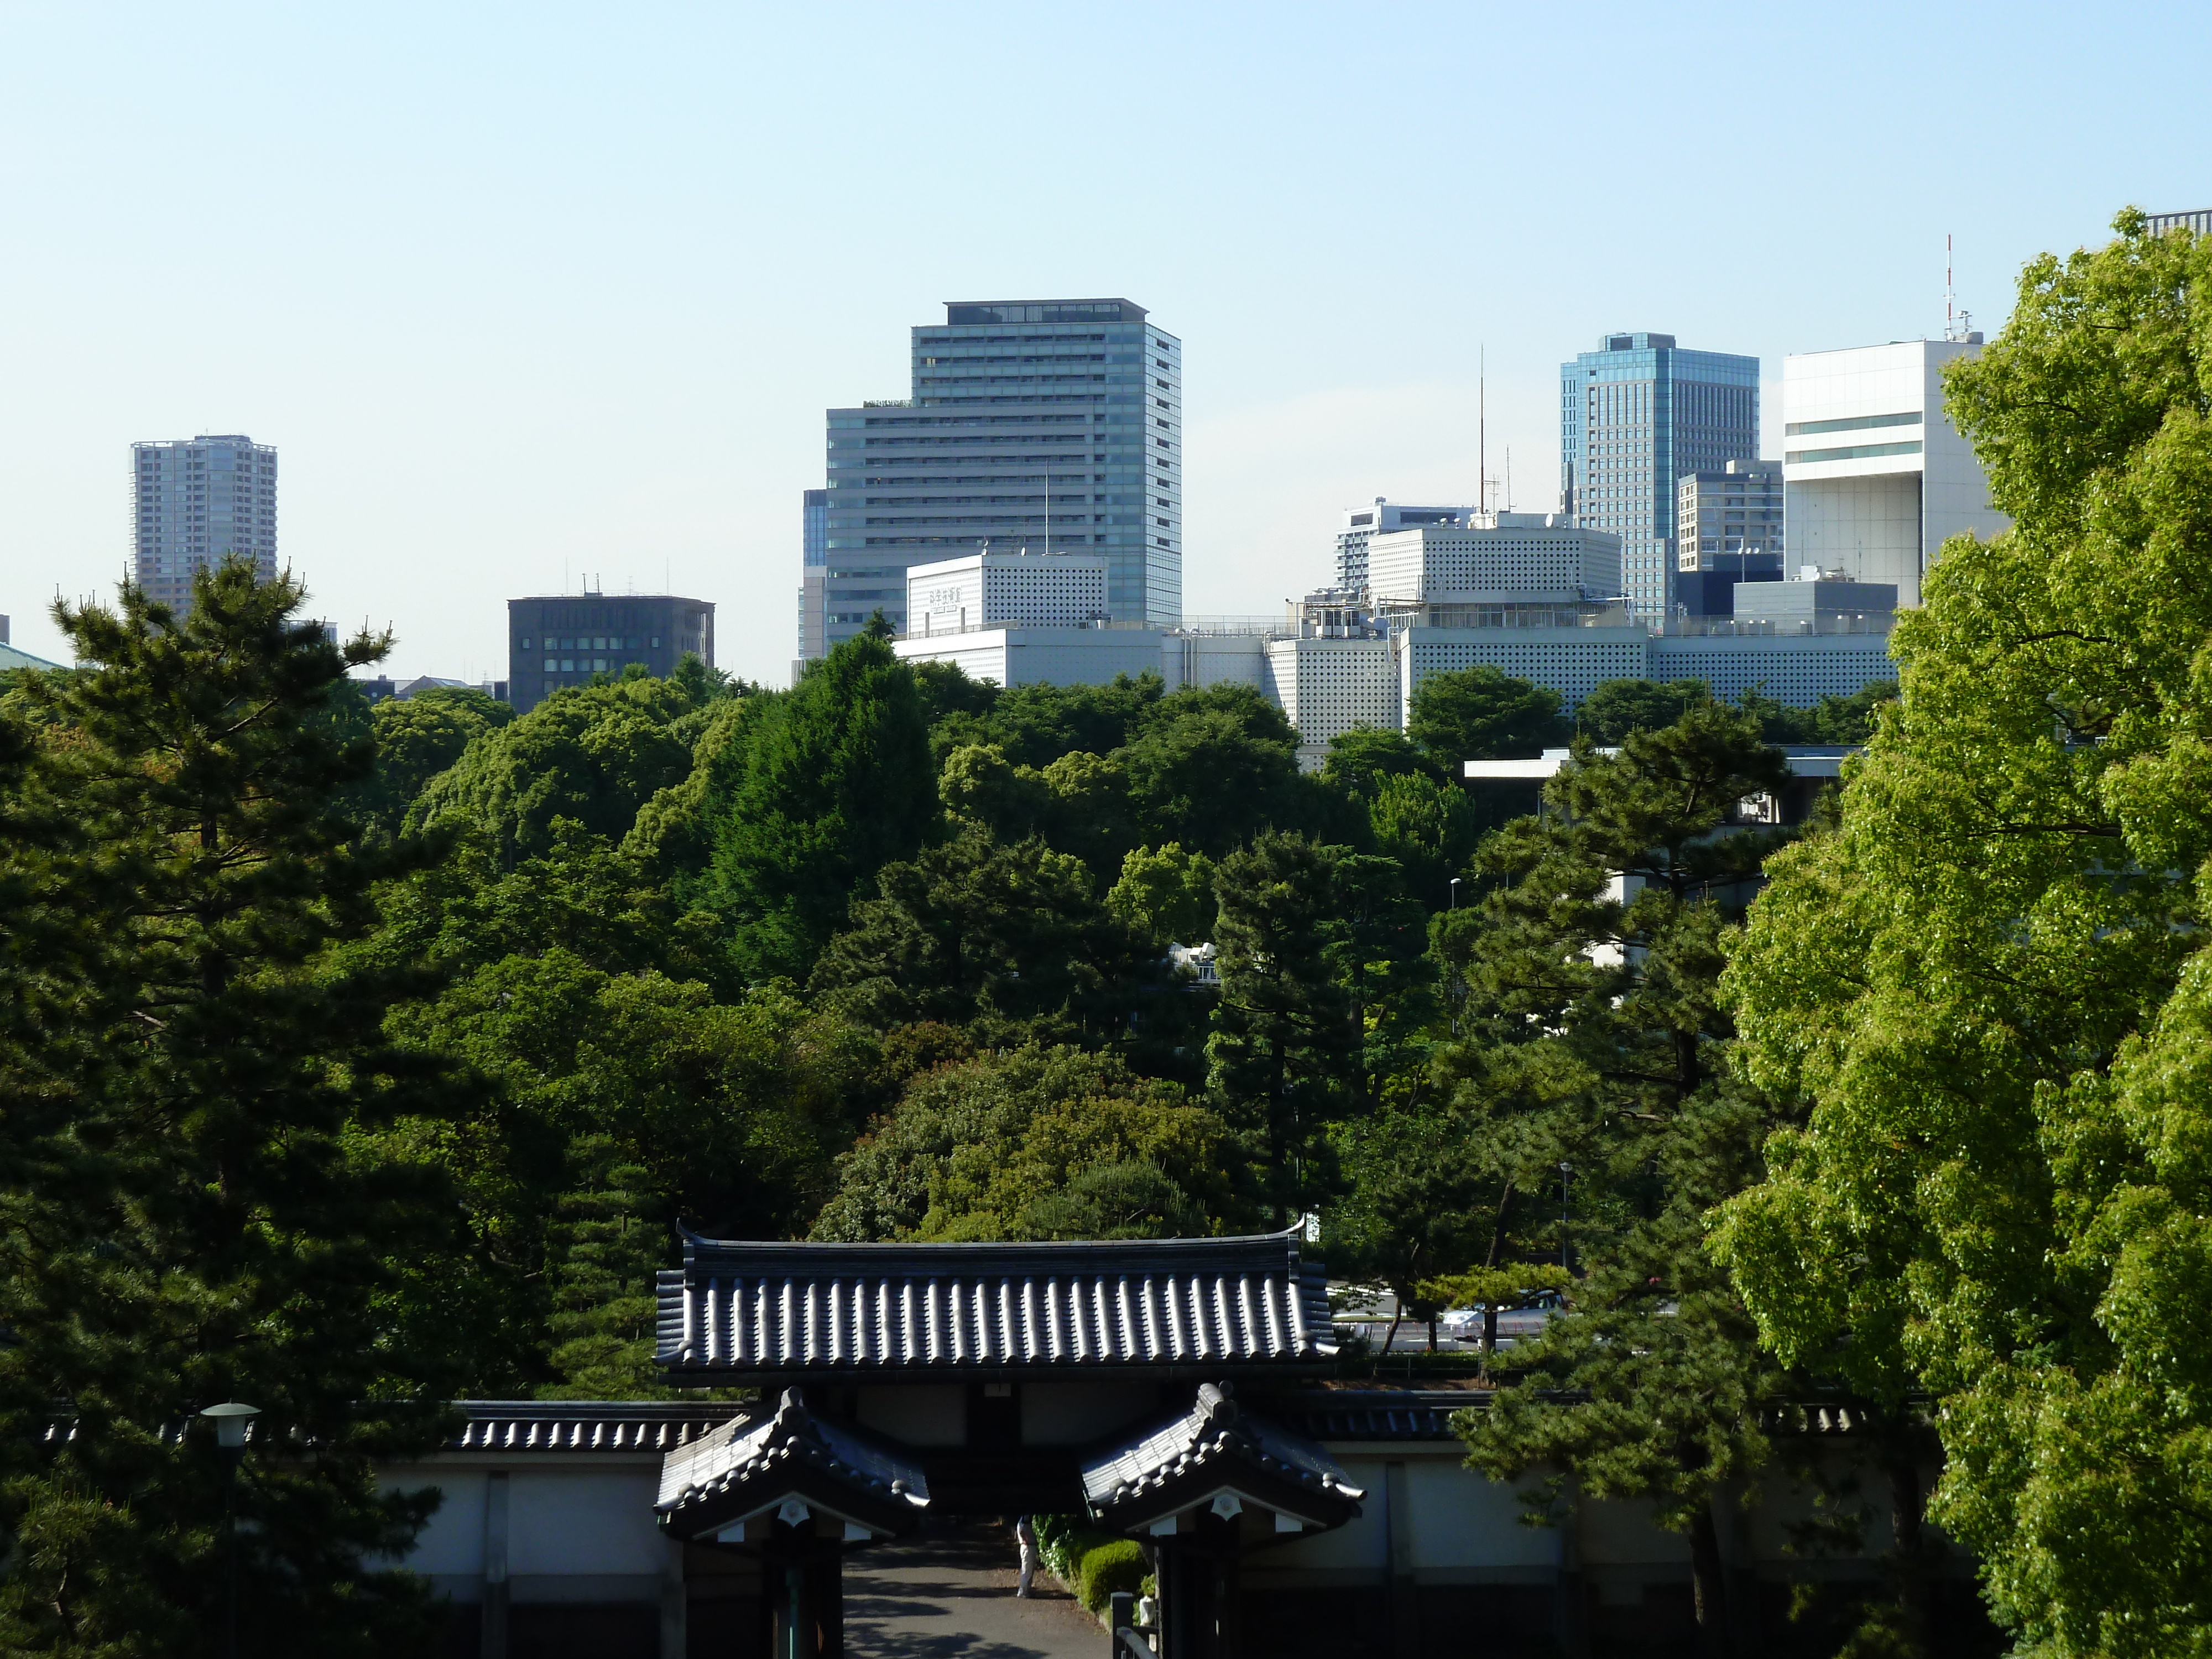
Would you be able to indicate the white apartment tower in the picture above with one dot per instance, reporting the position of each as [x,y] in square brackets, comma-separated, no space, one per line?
[1876,476]
[194,504]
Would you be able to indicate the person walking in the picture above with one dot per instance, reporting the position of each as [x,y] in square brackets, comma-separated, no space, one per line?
[1026,1536]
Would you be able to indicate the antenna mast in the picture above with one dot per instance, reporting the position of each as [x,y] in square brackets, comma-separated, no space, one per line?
[1482,430]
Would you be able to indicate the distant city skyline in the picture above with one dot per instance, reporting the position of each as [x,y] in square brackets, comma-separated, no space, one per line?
[551,300]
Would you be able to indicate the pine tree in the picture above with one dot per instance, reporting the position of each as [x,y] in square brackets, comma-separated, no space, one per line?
[1596,1027]
[193,1204]
[602,1252]
[1284,1049]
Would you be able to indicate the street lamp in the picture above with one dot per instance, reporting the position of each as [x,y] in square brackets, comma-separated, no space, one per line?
[1459,979]
[231,1419]
[1566,1174]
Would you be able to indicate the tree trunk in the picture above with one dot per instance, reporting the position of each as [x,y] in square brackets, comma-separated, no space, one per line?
[1709,1585]
[1908,1508]
[1397,1313]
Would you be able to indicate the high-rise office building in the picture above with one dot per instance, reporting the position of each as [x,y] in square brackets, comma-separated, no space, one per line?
[194,504]
[1730,528]
[2199,221]
[1635,415]
[1875,475]
[813,567]
[1053,425]
[1363,524]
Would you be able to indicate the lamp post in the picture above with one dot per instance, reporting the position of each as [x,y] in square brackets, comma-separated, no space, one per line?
[1566,1174]
[231,1419]
[1459,980]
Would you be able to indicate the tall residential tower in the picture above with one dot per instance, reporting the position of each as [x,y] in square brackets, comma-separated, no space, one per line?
[1052,425]
[195,503]
[1635,415]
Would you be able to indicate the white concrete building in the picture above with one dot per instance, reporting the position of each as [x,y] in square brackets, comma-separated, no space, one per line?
[1525,558]
[1019,655]
[1876,476]
[1328,686]
[984,589]
[1363,524]
[1572,661]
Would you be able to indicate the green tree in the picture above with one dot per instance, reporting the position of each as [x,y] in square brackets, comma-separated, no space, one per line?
[1211,769]
[605,1245]
[1037,1143]
[1430,827]
[593,755]
[1596,1027]
[1034,724]
[189,1210]
[1284,1048]
[836,783]
[416,738]
[1992,985]
[1011,942]
[1615,708]
[1360,759]
[1483,713]
[1166,893]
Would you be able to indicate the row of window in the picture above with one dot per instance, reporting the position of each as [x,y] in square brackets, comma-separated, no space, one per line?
[602,643]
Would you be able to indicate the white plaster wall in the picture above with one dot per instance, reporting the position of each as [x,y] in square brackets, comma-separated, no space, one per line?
[453,1542]
[582,1522]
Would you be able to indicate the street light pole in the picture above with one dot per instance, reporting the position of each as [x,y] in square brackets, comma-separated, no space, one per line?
[1566,1174]
[1459,980]
[231,1419]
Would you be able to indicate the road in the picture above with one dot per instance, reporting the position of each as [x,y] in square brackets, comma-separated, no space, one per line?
[950,1594]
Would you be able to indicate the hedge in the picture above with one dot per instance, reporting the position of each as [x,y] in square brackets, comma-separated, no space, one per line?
[1093,1563]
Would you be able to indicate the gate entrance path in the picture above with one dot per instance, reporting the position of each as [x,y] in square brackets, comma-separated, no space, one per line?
[948,1592]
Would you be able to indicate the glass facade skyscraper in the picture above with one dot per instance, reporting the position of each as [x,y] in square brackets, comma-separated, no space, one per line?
[1051,424]
[1635,415]
[195,503]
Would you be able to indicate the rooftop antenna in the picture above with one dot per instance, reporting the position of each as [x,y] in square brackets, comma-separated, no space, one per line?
[1482,428]
[1509,477]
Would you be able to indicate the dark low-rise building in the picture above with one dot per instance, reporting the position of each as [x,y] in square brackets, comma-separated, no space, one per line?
[565,638]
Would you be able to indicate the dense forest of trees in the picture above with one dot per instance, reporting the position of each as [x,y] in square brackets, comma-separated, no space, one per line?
[357,1059]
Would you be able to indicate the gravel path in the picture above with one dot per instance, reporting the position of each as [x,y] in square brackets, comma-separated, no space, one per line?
[950,1594]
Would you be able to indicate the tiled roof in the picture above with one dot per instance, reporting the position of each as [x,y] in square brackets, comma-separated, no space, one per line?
[739,1309]
[766,1449]
[585,1425]
[1211,1437]
[1376,1413]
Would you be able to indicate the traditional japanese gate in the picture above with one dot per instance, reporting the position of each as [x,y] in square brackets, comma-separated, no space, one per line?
[992,1379]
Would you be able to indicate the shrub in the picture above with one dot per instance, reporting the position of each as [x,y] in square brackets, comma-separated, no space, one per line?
[1117,1564]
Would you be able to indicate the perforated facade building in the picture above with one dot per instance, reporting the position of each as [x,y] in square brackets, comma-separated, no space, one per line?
[1328,686]
[1524,557]
[991,589]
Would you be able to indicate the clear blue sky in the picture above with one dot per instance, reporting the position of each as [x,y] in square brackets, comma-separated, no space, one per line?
[522,289]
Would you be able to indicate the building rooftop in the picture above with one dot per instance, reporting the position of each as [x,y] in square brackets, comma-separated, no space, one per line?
[738,1310]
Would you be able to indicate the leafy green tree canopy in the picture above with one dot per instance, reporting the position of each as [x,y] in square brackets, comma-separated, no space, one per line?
[836,783]
[1991,984]
[1615,708]
[1483,713]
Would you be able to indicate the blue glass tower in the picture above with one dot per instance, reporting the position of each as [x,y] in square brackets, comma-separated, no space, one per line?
[1055,425]
[1635,415]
